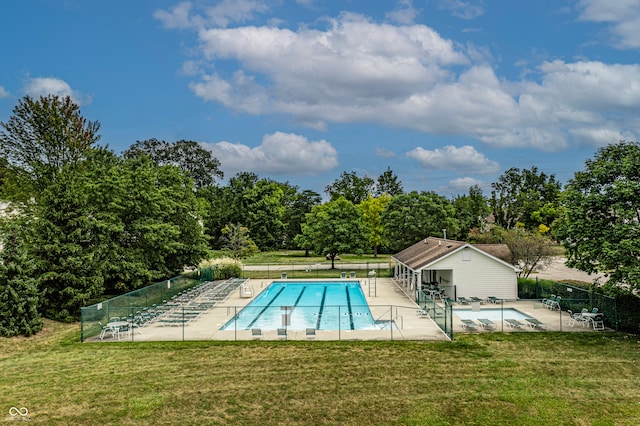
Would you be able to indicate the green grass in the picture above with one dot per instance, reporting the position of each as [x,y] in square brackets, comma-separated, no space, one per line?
[492,378]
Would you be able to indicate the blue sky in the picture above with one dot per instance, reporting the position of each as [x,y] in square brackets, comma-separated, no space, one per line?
[447,93]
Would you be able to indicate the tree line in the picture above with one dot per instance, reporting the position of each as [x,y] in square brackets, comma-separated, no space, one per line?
[82,221]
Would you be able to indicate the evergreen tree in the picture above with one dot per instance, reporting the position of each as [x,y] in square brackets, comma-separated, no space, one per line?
[18,287]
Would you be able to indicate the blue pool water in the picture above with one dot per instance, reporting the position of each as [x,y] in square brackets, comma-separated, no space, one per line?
[299,305]
[491,313]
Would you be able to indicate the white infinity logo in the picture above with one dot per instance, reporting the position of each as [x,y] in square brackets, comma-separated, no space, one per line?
[13,411]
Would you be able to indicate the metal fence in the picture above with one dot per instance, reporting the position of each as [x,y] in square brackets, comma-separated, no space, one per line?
[93,317]
[235,323]
[317,270]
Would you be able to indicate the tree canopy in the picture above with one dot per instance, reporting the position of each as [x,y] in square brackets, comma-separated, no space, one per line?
[199,163]
[411,217]
[519,194]
[334,228]
[41,137]
[350,186]
[600,225]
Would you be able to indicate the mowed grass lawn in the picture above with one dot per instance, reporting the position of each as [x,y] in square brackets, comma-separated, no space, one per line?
[481,379]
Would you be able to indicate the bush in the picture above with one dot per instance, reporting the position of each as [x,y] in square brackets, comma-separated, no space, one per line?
[220,269]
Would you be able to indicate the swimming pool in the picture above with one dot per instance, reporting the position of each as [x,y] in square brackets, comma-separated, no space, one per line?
[323,305]
[491,313]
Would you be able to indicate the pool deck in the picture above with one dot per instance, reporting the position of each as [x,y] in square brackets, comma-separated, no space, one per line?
[387,301]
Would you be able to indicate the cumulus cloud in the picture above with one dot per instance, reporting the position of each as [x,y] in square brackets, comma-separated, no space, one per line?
[623,16]
[355,70]
[3,93]
[44,86]
[279,153]
[465,158]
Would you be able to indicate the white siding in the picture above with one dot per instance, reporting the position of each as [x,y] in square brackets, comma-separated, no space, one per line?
[480,276]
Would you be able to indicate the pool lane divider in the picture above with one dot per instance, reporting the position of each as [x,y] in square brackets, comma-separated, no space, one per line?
[346,288]
[265,308]
[319,320]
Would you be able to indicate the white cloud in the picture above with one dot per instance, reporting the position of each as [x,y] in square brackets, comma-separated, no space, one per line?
[622,15]
[355,70]
[222,14]
[44,86]
[465,158]
[404,13]
[470,9]
[384,153]
[279,154]
[3,93]
[464,183]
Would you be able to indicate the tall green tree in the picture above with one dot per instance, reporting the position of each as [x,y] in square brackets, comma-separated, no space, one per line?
[41,137]
[153,215]
[519,194]
[472,210]
[200,164]
[600,227]
[265,213]
[66,246]
[235,240]
[350,186]
[372,208]
[19,294]
[388,183]
[334,228]
[296,209]
[408,218]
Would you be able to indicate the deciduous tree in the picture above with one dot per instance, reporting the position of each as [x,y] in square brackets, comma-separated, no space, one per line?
[600,225]
[334,228]
[350,186]
[518,194]
[408,218]
[372,208]
[42,136]
[200,164]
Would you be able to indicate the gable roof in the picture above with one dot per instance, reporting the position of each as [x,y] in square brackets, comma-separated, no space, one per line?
[431,249]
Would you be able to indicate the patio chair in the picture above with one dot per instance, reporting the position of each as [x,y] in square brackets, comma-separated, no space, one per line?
[282,333]
[598,322]
[470,324]
[573,317]
[476,299]
[514,323]
[534,323]
[107,329]
[256,333]
[423,312]
[463,300]
[310,333]
[493,299]
[486,323]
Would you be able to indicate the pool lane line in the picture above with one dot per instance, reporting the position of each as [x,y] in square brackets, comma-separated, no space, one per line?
[346,288]
[265,308]
[324,295]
